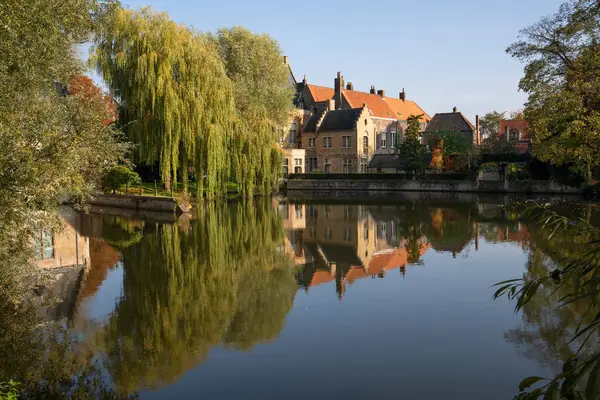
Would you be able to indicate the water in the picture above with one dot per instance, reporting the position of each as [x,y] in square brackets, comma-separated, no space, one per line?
[288,300]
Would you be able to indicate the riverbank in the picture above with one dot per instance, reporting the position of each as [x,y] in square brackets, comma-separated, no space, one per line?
[347,187]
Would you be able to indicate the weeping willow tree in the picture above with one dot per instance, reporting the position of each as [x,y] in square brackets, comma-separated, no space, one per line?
[177,101]
[263,103]
[210,104]
[186,291]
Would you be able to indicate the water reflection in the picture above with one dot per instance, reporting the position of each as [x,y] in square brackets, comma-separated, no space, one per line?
[230,279]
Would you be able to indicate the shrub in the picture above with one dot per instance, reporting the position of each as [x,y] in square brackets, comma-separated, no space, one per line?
[119,176]
[9,390]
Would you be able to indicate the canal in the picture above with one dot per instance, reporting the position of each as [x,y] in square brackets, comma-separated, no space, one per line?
[279,299]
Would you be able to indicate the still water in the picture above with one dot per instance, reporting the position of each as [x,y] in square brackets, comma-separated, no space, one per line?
[284,300]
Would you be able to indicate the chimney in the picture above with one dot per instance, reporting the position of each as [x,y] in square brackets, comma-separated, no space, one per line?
[286,60]
[403,95]
[331,104]
[455,109]
[350,86]
[477,130]
[381,93]
[373,91]
[339,86]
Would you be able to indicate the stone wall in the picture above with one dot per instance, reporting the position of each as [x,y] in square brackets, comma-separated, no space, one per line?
[163,204]
[396,185]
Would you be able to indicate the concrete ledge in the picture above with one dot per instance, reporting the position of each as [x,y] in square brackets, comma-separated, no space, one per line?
[148,203]
[395,185]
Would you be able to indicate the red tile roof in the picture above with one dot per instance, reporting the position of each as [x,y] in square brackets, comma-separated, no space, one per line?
[378,106]
[381,107]
[320,93]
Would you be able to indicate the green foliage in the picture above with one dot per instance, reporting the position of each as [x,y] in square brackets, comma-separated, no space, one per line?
[196,102]
[562,78]
[118,176]
[411,147]
[518,172]
[9,390]
[570,292]
[489,124]
[453,142]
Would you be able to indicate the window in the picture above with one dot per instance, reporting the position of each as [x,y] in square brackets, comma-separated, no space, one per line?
[285,167]
[327,143]
[394,230]
[327,211]
[363,165]
[382,230]
[312,211]
[311,232]
[394,139]
[312,164]
[383,139]
[515,134]
[328,234]
[366,231]
[293,136]
[298,161]
[346,142]
[298,208]
[366,144]
[347,165]
[327,165]
[44,245]
[347,212]
[311,142]
[347,234]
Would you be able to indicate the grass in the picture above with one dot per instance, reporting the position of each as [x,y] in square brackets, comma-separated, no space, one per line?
[157,189]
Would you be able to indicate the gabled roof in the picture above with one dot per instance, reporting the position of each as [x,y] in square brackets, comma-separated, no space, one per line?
[311,124]
[406,108]
[320,93]
[450,122]
[377,105]
[340,120]
[380,107]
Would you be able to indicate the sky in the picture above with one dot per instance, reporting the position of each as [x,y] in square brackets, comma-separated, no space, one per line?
[445,53]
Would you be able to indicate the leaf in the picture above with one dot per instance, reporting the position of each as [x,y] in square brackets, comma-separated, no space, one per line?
[592,389]
[501,290]
[552,391]
[527,382]
[508,281]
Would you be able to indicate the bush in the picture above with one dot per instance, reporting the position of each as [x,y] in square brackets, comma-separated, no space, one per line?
[518,172]
[119,176]
[9,390]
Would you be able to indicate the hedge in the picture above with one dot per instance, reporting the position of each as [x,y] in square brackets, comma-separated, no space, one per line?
[382,176]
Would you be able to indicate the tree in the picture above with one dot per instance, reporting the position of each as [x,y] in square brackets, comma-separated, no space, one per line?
[197,103]
[411,148]
[490,124]
[263,100]
[561,78]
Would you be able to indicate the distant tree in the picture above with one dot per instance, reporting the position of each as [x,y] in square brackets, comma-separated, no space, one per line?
[490,124]
[411,148]
[517,115]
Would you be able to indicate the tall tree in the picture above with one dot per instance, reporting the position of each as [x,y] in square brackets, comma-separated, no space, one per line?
[177,100]
[490,124]
[263,99]
[561,78]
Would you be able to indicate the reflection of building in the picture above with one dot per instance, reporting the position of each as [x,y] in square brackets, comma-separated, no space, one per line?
[345,243]
[65,247]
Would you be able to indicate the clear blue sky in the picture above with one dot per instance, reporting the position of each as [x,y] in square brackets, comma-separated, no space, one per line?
[445,53]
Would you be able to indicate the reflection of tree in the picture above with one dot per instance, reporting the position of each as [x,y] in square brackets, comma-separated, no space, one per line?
[450,229]
[184,292]
[120,232]
[546,330]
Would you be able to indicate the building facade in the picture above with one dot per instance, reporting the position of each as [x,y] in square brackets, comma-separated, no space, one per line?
[516,131]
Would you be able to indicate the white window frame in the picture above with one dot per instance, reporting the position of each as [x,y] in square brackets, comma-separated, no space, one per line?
[297,162]
[312,142]
[346,142]
[293,134]
[364,165]
[327,142]
[383,139]
[327,163]
[347,165]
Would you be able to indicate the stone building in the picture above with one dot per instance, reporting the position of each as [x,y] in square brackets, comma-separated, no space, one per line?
[388,115]
[339,140]
[450,123]
[516,131]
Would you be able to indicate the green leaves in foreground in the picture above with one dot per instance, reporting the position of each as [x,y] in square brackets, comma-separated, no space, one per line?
[576,284]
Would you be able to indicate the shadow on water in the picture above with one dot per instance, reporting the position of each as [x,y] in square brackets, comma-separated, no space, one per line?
[228,276]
